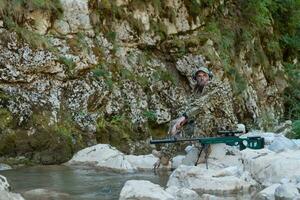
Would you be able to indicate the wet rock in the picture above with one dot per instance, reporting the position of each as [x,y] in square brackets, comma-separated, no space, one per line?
[140,189]
[182,193]
[287,191]
[5,193]
[4,167]
[107,157]
[102,156]
[4,185]
[268,167]
[191,156]
[142,162]
[10,196]
[46,194]
[176,161]
[267,193]
[200,179]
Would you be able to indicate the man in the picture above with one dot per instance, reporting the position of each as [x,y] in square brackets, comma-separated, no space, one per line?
[208,109]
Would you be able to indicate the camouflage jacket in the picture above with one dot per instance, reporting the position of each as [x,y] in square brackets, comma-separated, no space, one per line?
[210,110]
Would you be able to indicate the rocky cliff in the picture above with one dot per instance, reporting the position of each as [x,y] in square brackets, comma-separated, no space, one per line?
[79,72]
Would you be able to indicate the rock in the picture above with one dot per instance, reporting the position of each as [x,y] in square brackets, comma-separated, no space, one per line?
[287,191]
[267,193]
[4,166]
[223,155]
[75,17]
[102,156]
[1,23]
[108,157]
[142,162]
[140,190]
[176,161]
[4,195]
[297,142]
[210,180]
[182,193]
[191,157]
[41,21]
[284,127]
[268,167]
[213,197]
[4,185]
[4,191]
[282,143]
[45,194]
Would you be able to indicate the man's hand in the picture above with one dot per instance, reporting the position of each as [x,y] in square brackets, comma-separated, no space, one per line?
[178,124]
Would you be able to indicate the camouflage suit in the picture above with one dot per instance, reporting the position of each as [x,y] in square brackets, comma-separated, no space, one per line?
[207,111]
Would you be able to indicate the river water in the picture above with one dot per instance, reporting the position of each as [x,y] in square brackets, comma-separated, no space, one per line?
[79,183]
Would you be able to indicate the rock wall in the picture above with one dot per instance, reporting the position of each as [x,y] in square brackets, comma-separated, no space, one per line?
[103,64]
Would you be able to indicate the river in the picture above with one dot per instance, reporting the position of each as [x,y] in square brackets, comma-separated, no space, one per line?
[80,183]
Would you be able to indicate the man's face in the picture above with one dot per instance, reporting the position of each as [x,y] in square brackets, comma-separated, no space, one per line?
[202,78]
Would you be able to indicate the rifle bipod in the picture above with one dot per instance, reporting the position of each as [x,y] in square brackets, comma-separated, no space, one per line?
[204,147]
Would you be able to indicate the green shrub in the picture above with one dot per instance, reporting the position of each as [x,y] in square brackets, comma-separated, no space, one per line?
[292,92]
[69,64]
[17,9]
[296,129]
[150,115]
[5,118]
[35,40]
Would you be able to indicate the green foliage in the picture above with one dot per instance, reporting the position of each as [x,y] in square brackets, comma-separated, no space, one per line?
[267,121]
[295,130]
[69,64]
[150,115]
[286,15]
[5,118]
[17,9]
[78,43]
[193,7]
[292,92]
[117,130]
[102,71]
[257,12]
[159,29]
[34,39]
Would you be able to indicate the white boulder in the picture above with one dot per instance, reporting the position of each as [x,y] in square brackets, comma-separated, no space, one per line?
[4,191]
[108,157]
[4,167]
[4,195]
[142,162]
[102,156]
[4,185]
[282,143]
[191,156]
[200,179]
[268,167]
[176,161]
[182,193]
[267,193]
[287,191]
[142,190]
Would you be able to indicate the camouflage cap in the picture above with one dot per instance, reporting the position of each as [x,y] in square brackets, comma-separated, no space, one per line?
[202,69]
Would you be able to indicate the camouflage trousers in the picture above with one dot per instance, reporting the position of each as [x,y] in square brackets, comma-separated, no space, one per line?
[168,151]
